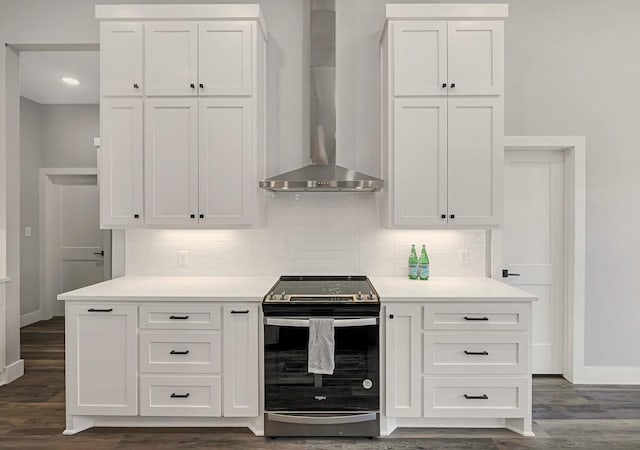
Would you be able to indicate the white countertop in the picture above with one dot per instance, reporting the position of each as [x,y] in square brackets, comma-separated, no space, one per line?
[246,289]
[403,289]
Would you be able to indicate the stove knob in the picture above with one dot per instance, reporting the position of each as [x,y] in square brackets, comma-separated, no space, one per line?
[282,297]
[371,296]
[272,296]
[359,296]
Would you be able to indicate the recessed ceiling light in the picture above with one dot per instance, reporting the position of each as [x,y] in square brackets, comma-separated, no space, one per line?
[71,81]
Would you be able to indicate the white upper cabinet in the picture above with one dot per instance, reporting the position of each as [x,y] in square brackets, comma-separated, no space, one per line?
[171,58]
[226,144]
[121,162]
[171,161]
[420,58]
[475,161]
[420,161]
[121,58]
[476,58]
[225,58]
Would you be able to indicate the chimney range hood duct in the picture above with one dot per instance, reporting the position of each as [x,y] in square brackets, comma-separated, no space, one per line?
[322,174]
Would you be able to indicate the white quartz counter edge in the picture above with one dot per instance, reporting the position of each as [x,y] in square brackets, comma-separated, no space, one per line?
[222,289]
[396,290]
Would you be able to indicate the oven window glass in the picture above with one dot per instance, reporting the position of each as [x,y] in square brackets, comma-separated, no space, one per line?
[352,387]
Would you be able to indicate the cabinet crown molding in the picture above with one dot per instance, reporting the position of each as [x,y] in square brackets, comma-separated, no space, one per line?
[415,11]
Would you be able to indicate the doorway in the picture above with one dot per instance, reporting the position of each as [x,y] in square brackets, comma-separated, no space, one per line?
[76,252]
[543,244]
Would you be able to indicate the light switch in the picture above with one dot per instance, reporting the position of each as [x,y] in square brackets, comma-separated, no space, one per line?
[183,258]
[27,231]
[463,256]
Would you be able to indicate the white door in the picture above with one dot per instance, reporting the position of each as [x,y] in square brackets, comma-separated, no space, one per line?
[475,160]
[225,160]
[225,58]
[171,58]
[171,161]
[403,358]
[420,161]
[121,58]
[121,162]
[420,58]
[77,251]
[476,58]
[533,246]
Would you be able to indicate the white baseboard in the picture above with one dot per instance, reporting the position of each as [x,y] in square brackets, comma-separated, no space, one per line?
[12,372]
[29,318]
[609,375]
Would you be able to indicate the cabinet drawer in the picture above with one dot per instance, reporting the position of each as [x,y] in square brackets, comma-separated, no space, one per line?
[461,353]
[180,317]
[476,316]
[475,397]
[180,396]
[180,352]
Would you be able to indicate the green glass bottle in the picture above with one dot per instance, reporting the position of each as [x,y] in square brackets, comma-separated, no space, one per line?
[413,264]
[423,264]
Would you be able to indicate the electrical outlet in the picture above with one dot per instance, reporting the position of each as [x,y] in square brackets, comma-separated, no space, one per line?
[27,231]
[463,256]
[183,258]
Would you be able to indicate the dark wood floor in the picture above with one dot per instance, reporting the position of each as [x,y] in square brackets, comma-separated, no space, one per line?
[566,416]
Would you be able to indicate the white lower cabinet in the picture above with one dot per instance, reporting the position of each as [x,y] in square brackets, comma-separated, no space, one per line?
[465,360]
[173,359]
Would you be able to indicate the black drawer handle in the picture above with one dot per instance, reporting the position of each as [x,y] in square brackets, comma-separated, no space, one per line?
[179,352]
[174,395]
[391,316]
[245,311]
[178,317]
[476,397]
[100,310]
[485,353]
[475,318]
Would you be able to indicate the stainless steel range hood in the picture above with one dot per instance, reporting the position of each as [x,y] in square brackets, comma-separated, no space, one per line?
[322,174]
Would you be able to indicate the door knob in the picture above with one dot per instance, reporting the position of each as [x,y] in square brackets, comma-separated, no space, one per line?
[506,274]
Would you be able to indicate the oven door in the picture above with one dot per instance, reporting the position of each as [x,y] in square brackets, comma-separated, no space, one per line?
[354,385]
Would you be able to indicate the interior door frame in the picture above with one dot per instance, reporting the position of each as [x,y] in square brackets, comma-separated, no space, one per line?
[574,148]
[50,227]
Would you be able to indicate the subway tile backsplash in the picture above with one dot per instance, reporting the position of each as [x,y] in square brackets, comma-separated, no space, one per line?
[306,233]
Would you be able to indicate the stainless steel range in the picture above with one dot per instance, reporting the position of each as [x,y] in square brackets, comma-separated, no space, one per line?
[300,403]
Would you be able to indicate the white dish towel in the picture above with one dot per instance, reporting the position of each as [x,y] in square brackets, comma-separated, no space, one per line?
[321,346]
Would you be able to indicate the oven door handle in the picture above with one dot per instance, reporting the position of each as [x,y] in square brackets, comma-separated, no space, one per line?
[304,323]
[321,420]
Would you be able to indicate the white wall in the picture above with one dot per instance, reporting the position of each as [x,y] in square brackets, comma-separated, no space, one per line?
[67,135]
[571,68]
[30,163]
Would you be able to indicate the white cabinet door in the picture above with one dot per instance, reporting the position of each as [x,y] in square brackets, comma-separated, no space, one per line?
[171,58]
[225,58]
[121,58]
[227,178]
[403,359]
[102,359]
[475,161]
[171,161]
[420,58]
[420,161]
[476,58]
[121,162]
[241,364]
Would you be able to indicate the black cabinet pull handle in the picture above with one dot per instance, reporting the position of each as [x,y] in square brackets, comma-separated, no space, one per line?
[178,317]
[476,397]
[100,310]
[136,216]
[475,318]
[453,85]
[193,216]
[101,253]
[452,216]
[174,395]
[245,311]
[390,316]
[485,353]
[193,86]
[179,352]
[135,85]
[202,216]
[444,85]
[201,86]
[443,216]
